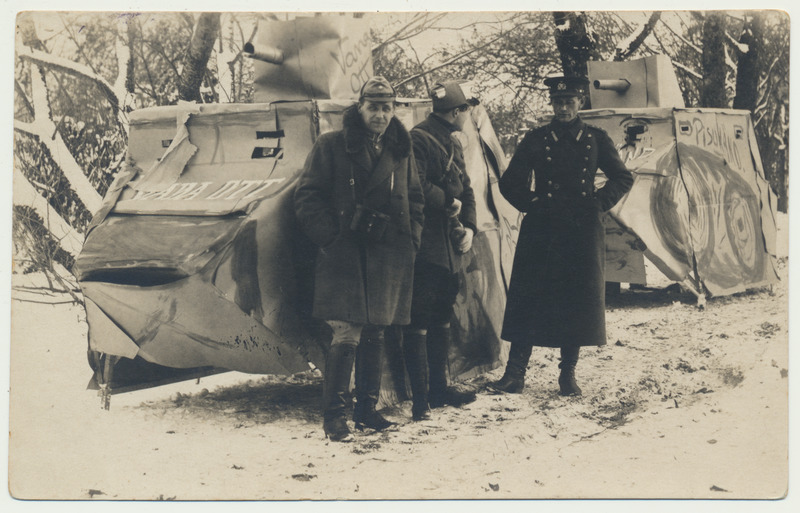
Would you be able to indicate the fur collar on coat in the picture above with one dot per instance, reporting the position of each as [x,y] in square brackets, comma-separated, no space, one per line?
[396,138]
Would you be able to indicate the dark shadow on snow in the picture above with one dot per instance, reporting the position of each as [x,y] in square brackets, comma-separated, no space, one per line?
[259,401]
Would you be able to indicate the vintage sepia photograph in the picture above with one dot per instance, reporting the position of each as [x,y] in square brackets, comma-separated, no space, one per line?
[407,253]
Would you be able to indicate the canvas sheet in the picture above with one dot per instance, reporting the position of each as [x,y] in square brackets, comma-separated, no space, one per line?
[210,270]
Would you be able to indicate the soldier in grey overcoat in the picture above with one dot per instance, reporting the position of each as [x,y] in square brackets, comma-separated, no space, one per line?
[556,295]
[360,201]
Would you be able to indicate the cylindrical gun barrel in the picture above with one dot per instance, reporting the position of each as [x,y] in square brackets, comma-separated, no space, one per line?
[266,54]
[619,85]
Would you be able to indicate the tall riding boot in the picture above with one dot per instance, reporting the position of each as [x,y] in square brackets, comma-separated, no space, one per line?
[369,361]
[338,367]
[513,380]
[439,394]
[566,381]
[416,357]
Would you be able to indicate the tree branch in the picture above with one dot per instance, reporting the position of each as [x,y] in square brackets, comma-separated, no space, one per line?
[456,58]
[624,52]
[71,68]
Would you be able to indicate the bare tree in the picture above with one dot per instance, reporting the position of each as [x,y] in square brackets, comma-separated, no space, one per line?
[749,50]
[576,44]
[715,65]
[196,61]
[629,46]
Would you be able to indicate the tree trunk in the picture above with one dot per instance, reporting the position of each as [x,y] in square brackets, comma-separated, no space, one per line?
[712,93]
[748,69]
[575,45]
[196,60]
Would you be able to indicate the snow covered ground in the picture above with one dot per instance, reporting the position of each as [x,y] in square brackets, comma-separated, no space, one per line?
[682,403]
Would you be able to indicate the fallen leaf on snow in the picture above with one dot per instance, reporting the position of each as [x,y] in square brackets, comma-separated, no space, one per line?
[303,477]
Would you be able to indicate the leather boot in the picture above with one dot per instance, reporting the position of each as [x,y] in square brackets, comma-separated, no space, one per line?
[566,381]
[416,357]
[439,394]
[369,366]
[513,380]
[338,367]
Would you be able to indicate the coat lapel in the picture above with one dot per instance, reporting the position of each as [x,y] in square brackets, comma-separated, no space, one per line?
[382,172]
[359,155]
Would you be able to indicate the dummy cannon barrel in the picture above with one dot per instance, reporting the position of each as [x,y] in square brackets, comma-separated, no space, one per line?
[266,54]
[619,85]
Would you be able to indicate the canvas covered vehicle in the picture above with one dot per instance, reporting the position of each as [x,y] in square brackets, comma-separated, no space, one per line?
[194,263]
[700,208]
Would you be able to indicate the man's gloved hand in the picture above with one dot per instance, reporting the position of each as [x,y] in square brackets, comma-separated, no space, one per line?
[465,244]
[454,208]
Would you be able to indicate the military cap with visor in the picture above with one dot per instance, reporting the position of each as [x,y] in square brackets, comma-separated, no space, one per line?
[567,85]
[448,95]
[378,89]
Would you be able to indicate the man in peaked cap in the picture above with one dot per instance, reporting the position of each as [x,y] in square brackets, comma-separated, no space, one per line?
[355,180]
[450,223]
[556,296]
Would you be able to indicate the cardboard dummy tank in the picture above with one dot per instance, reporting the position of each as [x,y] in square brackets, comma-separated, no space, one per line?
[194,265]
[701,209]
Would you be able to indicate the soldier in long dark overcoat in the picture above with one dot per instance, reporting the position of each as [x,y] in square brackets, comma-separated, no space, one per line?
[556,295]
[364,267]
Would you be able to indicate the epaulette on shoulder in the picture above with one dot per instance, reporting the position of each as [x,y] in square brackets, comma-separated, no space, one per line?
[595,128]
[539,129]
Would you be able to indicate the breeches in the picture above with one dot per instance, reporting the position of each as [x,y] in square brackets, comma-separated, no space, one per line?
[435,291]
[350,333]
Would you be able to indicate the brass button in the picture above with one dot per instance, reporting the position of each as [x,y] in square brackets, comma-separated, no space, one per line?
[583,181]
[547,148]
[549,159]
[585,158]
[585,169]
[583,193]
[589,135]
[588,146]
[549,182]
[549,194]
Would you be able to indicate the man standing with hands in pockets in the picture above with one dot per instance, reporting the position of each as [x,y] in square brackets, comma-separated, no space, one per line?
[556,297]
